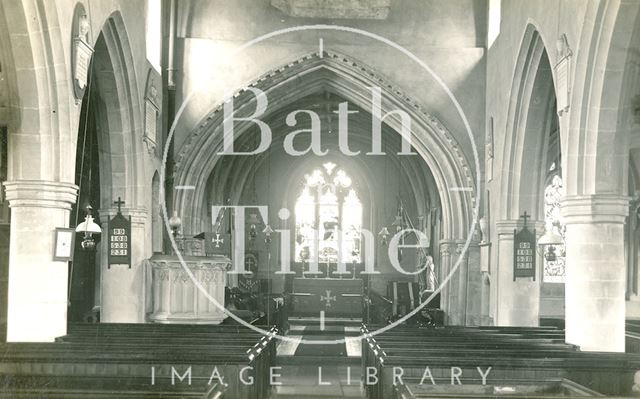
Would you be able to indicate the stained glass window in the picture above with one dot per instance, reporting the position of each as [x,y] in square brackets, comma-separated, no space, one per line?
[328,217]
[554,271]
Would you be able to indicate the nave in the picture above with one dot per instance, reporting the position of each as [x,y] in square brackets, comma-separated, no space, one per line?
[176,171]
[231,361]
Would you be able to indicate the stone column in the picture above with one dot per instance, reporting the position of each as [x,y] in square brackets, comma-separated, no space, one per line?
[37,309]
[446,253]
[473,291]
[518,302]
[595,271]
[455,294]
[458,287]
[123,289]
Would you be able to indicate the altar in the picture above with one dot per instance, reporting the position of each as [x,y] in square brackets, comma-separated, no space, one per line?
[338,298]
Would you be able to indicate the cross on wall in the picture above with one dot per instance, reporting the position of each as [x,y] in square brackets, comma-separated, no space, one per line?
[119,202]
[525,216]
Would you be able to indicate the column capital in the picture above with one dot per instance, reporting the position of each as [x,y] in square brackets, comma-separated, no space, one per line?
[451,247]
[446,247]
[507,226]
[595,208]
[40,194]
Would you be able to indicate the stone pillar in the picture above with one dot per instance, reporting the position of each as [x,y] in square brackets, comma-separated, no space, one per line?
[595,271]
[37,309]
[122,290]
[473,292]
[518,302]
[446,254]
[455,294]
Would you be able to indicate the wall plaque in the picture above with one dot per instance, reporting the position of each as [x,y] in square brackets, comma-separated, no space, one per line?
[524,252]
[562,72]
[119,238]
[81,51]
[152,105]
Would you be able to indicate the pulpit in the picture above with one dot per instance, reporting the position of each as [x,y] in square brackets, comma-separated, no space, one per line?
[175,297]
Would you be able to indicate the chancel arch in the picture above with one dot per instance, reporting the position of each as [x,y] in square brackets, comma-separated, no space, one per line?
[345,77]
[438,171]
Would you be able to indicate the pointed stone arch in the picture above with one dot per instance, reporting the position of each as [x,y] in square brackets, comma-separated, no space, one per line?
[350,79]
[121,163]
[43,116]
[531,110]
[531,117]
[597,165]
[42,135]
[122,174]
[597,144]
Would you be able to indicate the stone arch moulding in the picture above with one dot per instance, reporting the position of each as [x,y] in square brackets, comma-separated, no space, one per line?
[597,143]
[530,107]
[351,80]
[41,111]
[122,167]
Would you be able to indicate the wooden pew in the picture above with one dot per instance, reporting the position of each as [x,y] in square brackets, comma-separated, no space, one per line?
[512,353]
[71,387]
[529,389]
[632,336]
[138,351]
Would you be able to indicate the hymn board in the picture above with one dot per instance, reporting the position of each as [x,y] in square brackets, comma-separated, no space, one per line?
[119,239]
[524,256]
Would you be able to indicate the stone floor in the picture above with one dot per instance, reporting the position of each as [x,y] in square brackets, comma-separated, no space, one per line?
[302,382]
[310,371]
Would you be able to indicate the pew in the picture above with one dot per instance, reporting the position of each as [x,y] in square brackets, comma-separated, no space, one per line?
[632,336]
[536,355]
[46,386]
[144,358]
[514,388]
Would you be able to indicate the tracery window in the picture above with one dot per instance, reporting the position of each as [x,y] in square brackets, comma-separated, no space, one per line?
[554,270]
[328,216]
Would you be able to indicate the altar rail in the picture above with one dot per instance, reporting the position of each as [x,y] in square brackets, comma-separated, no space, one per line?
[175,296]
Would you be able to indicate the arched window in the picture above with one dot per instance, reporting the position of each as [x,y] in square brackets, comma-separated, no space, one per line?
[554,270]
[328,216]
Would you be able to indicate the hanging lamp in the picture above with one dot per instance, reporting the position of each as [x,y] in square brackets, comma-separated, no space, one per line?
[89,228]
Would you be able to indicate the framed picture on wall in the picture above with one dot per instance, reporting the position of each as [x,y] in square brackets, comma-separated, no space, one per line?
[64,242]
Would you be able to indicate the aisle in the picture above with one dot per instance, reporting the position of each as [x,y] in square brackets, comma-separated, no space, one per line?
[310,371]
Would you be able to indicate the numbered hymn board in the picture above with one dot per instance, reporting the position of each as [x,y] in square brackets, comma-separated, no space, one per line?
[119,241]
[524,253]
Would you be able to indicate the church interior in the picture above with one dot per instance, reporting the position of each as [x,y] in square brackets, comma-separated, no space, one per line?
[319,198]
